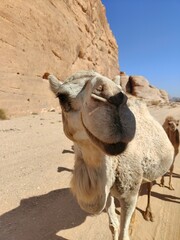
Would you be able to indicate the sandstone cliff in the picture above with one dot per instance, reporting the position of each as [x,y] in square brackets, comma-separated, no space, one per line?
[58,36]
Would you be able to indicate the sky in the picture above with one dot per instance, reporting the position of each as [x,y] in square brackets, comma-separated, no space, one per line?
[148,36]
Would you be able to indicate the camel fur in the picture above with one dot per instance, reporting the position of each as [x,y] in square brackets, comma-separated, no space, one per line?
[117,143]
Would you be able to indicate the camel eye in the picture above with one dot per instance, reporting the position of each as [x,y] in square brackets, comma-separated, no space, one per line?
[99,88]
[64,100]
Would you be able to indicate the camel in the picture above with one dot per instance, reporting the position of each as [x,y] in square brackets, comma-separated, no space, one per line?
[117,145]
[170,126]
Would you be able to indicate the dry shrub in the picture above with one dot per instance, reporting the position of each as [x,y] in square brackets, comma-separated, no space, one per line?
[2,114]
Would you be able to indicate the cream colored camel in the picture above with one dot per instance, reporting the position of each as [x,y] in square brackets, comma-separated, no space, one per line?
[170,126]
[118,144]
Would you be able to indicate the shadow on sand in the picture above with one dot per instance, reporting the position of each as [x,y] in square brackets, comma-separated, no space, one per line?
[174,175]
[166,197]
[41,217]
[67,151]
[62,169]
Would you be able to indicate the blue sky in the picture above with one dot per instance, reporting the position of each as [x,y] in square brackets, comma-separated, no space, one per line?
[148,35]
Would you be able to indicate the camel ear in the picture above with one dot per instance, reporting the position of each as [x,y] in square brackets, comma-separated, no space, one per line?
[117,80]
[55,84]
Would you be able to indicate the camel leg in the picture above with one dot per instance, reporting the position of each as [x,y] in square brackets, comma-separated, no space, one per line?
[128,206]
[170,176]
[162,181]
[132,222]
[148,213]
[113,219]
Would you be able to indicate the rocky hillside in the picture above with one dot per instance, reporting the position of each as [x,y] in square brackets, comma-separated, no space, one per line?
[140,87]
[58,36]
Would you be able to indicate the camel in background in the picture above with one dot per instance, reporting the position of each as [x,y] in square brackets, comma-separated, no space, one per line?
[170,126]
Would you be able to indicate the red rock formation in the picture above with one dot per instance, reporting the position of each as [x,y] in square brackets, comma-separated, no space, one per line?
[56,36]
[139,86]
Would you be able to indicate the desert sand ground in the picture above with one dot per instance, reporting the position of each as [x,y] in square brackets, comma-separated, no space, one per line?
[36,163]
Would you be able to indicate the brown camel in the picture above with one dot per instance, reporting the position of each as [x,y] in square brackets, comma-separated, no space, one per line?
[171,128]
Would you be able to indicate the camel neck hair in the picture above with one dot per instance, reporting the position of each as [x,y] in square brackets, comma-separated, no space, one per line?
[92,156]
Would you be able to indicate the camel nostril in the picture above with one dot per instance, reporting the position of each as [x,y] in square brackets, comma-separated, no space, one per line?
[118,99]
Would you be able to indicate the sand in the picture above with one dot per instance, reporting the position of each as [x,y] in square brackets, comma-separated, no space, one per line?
[36,163]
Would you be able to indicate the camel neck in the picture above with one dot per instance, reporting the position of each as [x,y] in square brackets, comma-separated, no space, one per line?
[91,155]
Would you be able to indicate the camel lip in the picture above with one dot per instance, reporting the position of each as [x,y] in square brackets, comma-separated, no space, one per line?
[96,97]
[109,148]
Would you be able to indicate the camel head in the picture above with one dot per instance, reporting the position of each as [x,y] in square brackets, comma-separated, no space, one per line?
[172,123]
[94,110]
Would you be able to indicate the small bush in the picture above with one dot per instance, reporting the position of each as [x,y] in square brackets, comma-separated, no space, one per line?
[2,114]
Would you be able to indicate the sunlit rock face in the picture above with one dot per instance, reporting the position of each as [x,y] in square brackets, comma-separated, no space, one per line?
[140,87]
[60,37]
